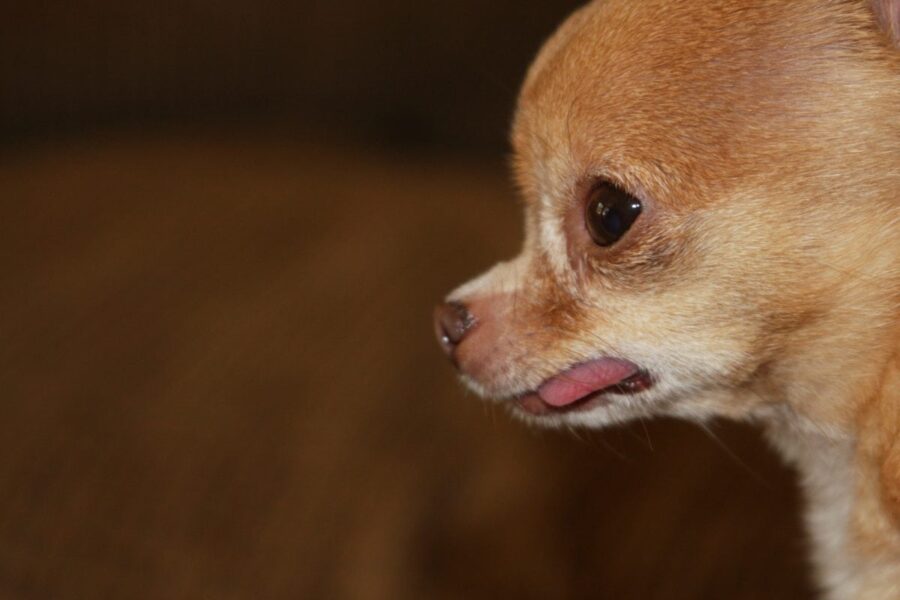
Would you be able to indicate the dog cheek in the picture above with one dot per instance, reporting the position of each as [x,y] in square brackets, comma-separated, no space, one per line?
[687,340]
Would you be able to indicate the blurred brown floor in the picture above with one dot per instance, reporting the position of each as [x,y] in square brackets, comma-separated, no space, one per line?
[218,380]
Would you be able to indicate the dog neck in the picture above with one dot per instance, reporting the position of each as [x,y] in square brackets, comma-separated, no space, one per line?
[828,478]
[851,483]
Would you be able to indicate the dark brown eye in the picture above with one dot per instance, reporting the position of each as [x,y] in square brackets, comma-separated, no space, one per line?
[610,213]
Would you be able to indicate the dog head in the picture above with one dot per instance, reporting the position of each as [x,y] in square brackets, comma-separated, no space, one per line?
[709,202]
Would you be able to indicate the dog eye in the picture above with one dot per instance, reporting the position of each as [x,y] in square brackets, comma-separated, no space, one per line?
[610,214]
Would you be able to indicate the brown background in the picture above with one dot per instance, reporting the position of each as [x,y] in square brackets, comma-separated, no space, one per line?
[223,227]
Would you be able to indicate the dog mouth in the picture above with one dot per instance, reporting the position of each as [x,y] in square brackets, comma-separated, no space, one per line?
[584,387]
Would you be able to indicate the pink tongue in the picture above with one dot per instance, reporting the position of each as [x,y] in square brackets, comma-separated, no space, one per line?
[585,379]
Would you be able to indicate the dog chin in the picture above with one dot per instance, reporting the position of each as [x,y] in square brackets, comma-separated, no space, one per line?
[619,412]
[676,401]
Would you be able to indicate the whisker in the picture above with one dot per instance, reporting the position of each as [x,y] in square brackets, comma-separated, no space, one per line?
[734,457]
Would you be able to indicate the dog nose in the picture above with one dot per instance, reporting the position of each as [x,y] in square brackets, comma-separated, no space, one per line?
[452,321]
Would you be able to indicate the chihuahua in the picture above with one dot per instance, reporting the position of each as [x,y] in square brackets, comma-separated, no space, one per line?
[712,229]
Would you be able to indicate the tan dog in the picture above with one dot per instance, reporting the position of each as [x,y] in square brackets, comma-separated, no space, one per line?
[713,229]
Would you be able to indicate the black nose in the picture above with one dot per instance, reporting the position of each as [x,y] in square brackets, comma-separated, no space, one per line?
[452,321]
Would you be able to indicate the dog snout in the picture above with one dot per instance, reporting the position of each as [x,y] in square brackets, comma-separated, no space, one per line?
[452,322]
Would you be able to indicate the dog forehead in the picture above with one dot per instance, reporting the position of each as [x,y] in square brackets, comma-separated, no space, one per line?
[673,90]
[614,68]
[598,91]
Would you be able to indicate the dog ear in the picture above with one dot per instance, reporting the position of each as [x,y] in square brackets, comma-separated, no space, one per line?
[887,14]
